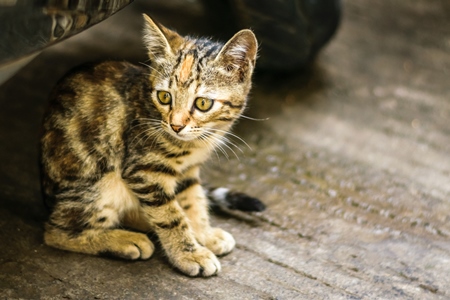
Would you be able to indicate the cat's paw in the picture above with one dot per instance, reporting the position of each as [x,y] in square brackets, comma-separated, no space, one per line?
[128,245]
[219,241]
[200,262]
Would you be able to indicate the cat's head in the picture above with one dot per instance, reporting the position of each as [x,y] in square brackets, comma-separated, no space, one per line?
[200,87]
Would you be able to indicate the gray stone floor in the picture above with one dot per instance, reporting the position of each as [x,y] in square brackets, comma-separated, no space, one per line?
[353,164]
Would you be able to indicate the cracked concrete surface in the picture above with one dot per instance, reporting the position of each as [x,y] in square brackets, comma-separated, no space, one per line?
[353,164]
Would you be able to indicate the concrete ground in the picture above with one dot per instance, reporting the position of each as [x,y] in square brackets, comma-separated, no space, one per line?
[353,164]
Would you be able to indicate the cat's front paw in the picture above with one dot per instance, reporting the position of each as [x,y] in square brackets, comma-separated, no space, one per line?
[219,241]
[127,245]
[200,262]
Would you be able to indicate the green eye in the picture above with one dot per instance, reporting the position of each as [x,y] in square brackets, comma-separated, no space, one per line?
[164,97]
[203,104]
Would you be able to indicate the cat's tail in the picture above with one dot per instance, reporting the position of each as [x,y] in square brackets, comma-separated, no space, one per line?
[224,198]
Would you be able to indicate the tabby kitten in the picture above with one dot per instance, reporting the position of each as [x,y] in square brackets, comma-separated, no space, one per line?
[123,144]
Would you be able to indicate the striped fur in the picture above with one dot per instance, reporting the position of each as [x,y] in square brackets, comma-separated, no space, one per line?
[122,146]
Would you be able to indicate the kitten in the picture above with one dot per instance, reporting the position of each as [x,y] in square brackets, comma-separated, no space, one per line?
[123,144]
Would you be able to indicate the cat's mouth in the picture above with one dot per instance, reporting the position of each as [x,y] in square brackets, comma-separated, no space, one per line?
[188,133]
[183,135]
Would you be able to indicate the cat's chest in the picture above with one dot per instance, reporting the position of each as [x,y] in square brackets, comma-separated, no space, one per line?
[190,158]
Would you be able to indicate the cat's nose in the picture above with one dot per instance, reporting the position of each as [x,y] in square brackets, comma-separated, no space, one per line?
[177,128]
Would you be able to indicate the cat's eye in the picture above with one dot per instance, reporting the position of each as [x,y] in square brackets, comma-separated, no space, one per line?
[164,97]
[203,104]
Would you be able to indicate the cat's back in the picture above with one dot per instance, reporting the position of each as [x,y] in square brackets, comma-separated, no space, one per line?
[87,115]
[93,93]
[96,83]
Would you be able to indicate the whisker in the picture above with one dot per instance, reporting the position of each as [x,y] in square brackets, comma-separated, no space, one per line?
[225,140]
[204,140]
[231,149]
[228,141]
[154,123]
[154,69]
[153,130]
[155,135]
[219,143]
[233,135]
[253,119]
[216,144]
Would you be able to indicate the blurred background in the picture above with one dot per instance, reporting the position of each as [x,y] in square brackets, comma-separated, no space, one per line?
[290,32]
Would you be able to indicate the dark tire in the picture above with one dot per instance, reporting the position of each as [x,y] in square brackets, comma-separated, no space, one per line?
[290,32]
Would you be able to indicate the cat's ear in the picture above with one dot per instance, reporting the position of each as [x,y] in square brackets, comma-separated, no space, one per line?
[239,52]
[160,40]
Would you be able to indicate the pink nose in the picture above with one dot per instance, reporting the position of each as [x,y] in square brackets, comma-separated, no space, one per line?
[177,128]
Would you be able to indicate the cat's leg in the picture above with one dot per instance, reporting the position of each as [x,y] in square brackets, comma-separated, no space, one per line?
[86,221]
[194,202]
[104,242]
[162,213]
[179,242]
